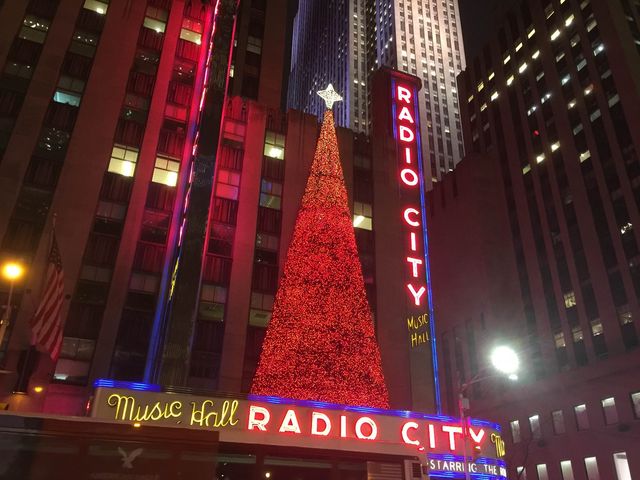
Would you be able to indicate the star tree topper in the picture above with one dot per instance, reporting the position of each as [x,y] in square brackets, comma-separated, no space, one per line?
[330,96]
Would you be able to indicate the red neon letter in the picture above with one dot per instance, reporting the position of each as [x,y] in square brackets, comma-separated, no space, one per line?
[414,265]
[414,243]
[371,423]
[411,211]
[343,426]
[406,134]
[405,114]
[259,423]
[451,430]
[404,94]
[407,155]
[290,423]
[432,436]
[409,177]
[416,295]
[477,437]
[315,416]
[405,433]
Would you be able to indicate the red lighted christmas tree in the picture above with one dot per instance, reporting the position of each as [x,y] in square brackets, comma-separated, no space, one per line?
[320,343]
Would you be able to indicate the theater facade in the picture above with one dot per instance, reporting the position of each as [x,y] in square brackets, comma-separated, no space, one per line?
[276,438]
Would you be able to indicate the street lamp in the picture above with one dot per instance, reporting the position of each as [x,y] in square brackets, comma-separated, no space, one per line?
[11,271]
[506,362]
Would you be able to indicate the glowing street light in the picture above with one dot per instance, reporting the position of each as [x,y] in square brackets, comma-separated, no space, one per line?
[11,271]
[505,360]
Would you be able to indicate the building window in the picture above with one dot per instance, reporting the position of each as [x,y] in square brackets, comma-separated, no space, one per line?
[34,29]
[582,418]
[557,417]
[622,466]
[534,423]
[362,217]
[569,299]
[567,470]
[635,401]
[267,242]
[609,410]
[591,466]
[515,431]
[212,301]
[123,160]
[191,36]
[261,307]
[97,6]
[228,184]
[274,145]
[166,171]
[143,282]
[522,473]
[542,471]
[270,194]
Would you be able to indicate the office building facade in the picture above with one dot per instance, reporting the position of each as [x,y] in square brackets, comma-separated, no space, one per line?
[419,37]
[549,106]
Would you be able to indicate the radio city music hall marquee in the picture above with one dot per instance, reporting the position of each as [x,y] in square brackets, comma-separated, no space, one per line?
[435,440]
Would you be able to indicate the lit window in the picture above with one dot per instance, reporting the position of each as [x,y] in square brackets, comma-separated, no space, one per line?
[582,419]
[571,104]
[522,473]
[625,316]
[622,466]
[555,35]
[261,308]
[526,169]
[522,67]
[362,217]
[609,410]
[535,54]
[96,6]
[60,96]
[531,33]
[228,184]
[494,96]
[34,29]
[483,107]
[586,155]
[470,99]
[569,299]
[274,145]
[534,423]
[635,400]
[191,36]
[491,75]
[123,160]
[270,194]
[542,471]
[540,158]
[510,80]
[577,334]
[557,417]
[212,302]
[480,86]
[518,47]
[596,327]
[591,466]
[565,79]
[567,470]
[569,20]
[515,430]
[154,24]
[506,59]
[166,171]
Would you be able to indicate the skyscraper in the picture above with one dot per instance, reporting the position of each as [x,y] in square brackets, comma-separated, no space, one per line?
[551,249]
[344,47]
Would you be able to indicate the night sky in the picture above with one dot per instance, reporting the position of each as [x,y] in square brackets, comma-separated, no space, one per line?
[479,20]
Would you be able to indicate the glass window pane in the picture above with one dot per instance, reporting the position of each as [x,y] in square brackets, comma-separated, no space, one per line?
[567,470]
[542,472]
[622,466]
[515,431]
[154,24]
[558,422]
[635,400]
[534,423]
[582,419]
[591,465]
[609,410]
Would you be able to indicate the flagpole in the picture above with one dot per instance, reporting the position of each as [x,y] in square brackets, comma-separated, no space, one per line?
[32,349]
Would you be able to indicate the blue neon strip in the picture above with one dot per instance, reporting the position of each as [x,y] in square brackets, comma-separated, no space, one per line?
[485,423]
[425,237]
[475,476]
[107,383]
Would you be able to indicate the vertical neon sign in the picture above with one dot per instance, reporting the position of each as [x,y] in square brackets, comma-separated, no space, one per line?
[406,129]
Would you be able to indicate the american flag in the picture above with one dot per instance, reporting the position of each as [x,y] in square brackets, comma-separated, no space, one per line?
[46,324]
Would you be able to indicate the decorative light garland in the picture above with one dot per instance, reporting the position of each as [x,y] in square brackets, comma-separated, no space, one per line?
[320,343]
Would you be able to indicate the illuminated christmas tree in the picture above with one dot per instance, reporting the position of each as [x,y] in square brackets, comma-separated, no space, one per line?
[320,343]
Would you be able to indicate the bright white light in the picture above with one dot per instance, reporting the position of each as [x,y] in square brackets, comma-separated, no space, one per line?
[513,377]
[555,35]
[100,10]
[536,54]
[569,21]
[540,158]
[358,220]
[522,68]
[494,96]
[505,360]
[510,80]
[127,169]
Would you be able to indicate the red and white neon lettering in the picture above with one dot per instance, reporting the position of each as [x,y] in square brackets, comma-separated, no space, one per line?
[407,131]
[405,433]
[290,423]
[451,430]
[315,417]
[254,421]
[374,429]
